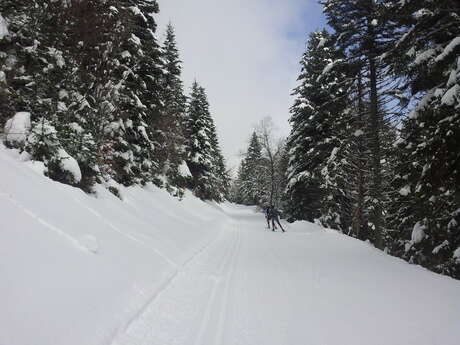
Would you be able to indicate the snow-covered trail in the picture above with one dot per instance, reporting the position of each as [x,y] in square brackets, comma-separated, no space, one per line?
[150,269]
[308,286]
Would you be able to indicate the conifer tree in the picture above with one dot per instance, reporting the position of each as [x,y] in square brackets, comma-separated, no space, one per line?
[427,194]
[252,185]
[139,103]
[363,42]
[173,117]
[204,159]
[315,120]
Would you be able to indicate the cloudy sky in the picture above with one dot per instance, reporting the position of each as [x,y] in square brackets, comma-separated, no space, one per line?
[245,53]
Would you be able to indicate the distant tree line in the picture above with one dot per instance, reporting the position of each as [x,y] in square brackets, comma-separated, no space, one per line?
[261,177]
[374,149]
[102,91]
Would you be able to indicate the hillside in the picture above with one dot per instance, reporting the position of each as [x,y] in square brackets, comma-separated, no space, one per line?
[150,269]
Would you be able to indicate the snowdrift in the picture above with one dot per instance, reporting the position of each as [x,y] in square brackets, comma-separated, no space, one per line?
[76,268]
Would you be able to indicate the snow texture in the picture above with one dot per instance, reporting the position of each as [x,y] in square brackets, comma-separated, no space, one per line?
[448,49]
[358,133]
[451,96]
[329,67]
[184,171]
[152,270]
[457,254]
[17,128]
[418,233]
[405,191]
[90,242]
[3,27]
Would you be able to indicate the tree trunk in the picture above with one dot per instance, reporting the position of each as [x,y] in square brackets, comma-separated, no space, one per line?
[359,214]
[375,145]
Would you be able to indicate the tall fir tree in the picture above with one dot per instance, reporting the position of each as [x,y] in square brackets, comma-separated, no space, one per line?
[363,42]
[252,183]
[425,209]
[173,117]
[139,104]
[315,120]
[204,159]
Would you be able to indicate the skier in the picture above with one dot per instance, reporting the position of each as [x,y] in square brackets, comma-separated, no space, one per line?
[274,215]
[267,216]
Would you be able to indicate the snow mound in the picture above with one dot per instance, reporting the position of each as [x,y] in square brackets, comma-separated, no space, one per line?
[17,128]
[418,233]
[90,242]
[70,164]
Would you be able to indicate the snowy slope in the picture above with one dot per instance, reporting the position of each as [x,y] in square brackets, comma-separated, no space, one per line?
[75,268]
[152,270]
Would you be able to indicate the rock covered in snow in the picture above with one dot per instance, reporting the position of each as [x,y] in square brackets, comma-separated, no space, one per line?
[69,164]
[418,233]
[17,128]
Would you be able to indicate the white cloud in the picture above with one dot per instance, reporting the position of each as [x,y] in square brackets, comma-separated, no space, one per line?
[245,53]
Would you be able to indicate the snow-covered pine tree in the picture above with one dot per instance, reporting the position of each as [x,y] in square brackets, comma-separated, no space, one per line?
[426,204]
[19,31]
[363,34]
[252,178]
[173,117]
[136,130]
[281,177]
[38,67]
[201,148]
[237,195]
[315,116]
[221,174]
[85,98]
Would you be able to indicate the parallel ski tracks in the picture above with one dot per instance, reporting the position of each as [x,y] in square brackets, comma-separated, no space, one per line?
[227,243]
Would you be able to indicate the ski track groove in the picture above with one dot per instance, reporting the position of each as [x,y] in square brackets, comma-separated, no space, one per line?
[219,338]
[227,260]
[168,282]
[124,234]
[45,224]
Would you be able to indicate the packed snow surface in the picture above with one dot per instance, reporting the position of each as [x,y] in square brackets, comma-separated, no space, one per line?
[153,270]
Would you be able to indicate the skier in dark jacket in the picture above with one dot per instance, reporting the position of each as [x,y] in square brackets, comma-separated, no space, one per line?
[274,215]
[267,216]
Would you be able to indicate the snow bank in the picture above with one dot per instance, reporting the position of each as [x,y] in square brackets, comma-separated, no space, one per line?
[76,268]
[17,128]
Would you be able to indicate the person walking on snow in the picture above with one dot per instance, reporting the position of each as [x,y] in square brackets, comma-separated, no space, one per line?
[274,215]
